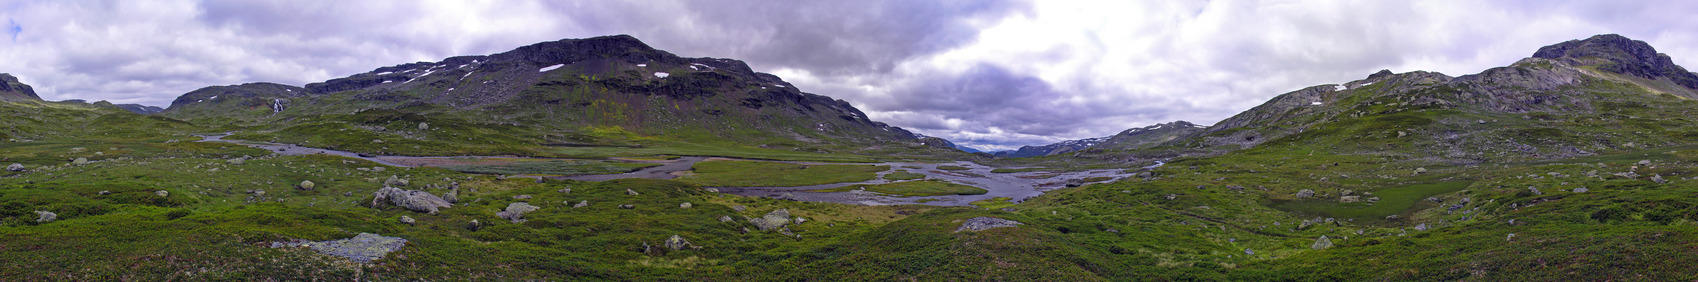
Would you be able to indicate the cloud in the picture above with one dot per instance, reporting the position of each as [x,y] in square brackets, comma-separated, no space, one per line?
[989,74]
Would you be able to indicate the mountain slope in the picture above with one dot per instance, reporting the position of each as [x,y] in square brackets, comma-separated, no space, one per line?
[14,91]
[603,91]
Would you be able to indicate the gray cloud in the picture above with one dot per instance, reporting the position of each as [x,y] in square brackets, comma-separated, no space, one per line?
[992,74]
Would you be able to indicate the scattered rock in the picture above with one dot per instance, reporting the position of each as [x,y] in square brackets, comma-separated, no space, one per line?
[105,192]
[79,161]
[1658,178]
[1391,217]
[566,191]
[408,220]
[1346,192]
[453,195]
[1350,199]
[985,222]
[516,211]
[772,220]
[1581,190]
[1511,237]
[1535,191]
[1247,251]
[424,126]
[627,207]
[474,225]
[363,248]
[15,167]
[236,161]
[395,181]
[418,201]
[1421,227]
[739,208]
[162,193]
[676,242]
[713,190]
[1305,193]
[1322,243]
[1373,199]
[685,205]
[307,185]
[522,197]
[631,192]
[584,203]
[1644,162]
[724,218]
[45,216]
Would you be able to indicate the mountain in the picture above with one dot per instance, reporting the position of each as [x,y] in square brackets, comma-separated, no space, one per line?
[14,91]
[140,109]
[602,91]
[1052,149]
[1576,98]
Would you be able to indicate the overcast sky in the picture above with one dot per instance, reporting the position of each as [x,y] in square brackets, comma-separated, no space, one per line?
[987,74]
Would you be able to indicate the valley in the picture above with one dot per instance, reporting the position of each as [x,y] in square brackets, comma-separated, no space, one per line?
[605,159]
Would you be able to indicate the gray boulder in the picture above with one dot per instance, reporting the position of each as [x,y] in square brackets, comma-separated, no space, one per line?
[236,161]
[631,192]
[162,193]
[584,203]
[363,248]
[1581,190]
[1322,243]
[79,161]
[522,197]
[676,242]
[1658,178]
[773,220]
[686,205]
[408,220]
[45,216]
[453,195]
[1305,193]
[307,185]
[418,201]
[516,211]
[724,218]
[15,167]
[395,181]
[424,126]
[985,222]
[1421,227]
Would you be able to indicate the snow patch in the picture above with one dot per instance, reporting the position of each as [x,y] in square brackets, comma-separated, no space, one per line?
[1315,104]
[1339,88]
[469,73]
[428,72]
[388,81]
[214,97]
[1366,84]
[384,73]
[661,74]
[549,68]
[642,65]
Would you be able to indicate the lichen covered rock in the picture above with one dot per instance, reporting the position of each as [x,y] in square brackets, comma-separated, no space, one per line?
[419,201]
[984,222]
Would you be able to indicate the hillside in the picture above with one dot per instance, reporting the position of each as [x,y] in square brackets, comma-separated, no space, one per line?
[606,91]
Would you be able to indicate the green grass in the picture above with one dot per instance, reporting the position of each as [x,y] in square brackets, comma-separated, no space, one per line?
[952,167]
[994,203]
[914,188]
[552,167]
[1018,170]
[1393,201]
[760,173]
[902,174]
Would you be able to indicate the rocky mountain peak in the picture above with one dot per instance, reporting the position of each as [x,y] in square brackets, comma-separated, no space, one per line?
[1619,54]
[12,90]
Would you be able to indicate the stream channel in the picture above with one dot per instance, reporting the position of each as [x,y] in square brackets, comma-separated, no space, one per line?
[1016,186]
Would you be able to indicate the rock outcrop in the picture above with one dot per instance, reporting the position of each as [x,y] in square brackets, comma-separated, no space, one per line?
[516,211]
[985,222]
[45,216]
[418,201]
[772,220]
[362,248]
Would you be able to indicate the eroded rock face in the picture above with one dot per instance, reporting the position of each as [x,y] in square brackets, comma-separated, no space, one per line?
[362,248]
[419,201]
[773,220]
[984,222]
[676,243]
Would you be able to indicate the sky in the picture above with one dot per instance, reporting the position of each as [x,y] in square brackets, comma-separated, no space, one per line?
[988,74]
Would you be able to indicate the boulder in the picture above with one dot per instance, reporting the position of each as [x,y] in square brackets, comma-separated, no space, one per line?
[1346,192]
[1322,243]
[395,181]
[581,204]
[1581,190]
[739,208]
[724,218]
[1373,199]
[773,220]
[1535,191]
[1644,162]
[685,205]
[236,161]
[424,126]
[45,216]
[1421,227]
[1305,193]
[307,185]
[79,161]
[627,207]
[1658,178]
[408,220]
[516,211]
[162,193]
[362,248]
[1350,199]
[418,201]
[522,197]
[985,222]
[631,192]
[453,195]
[676,242]
[1420,170]
[15,167]
[474,225]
